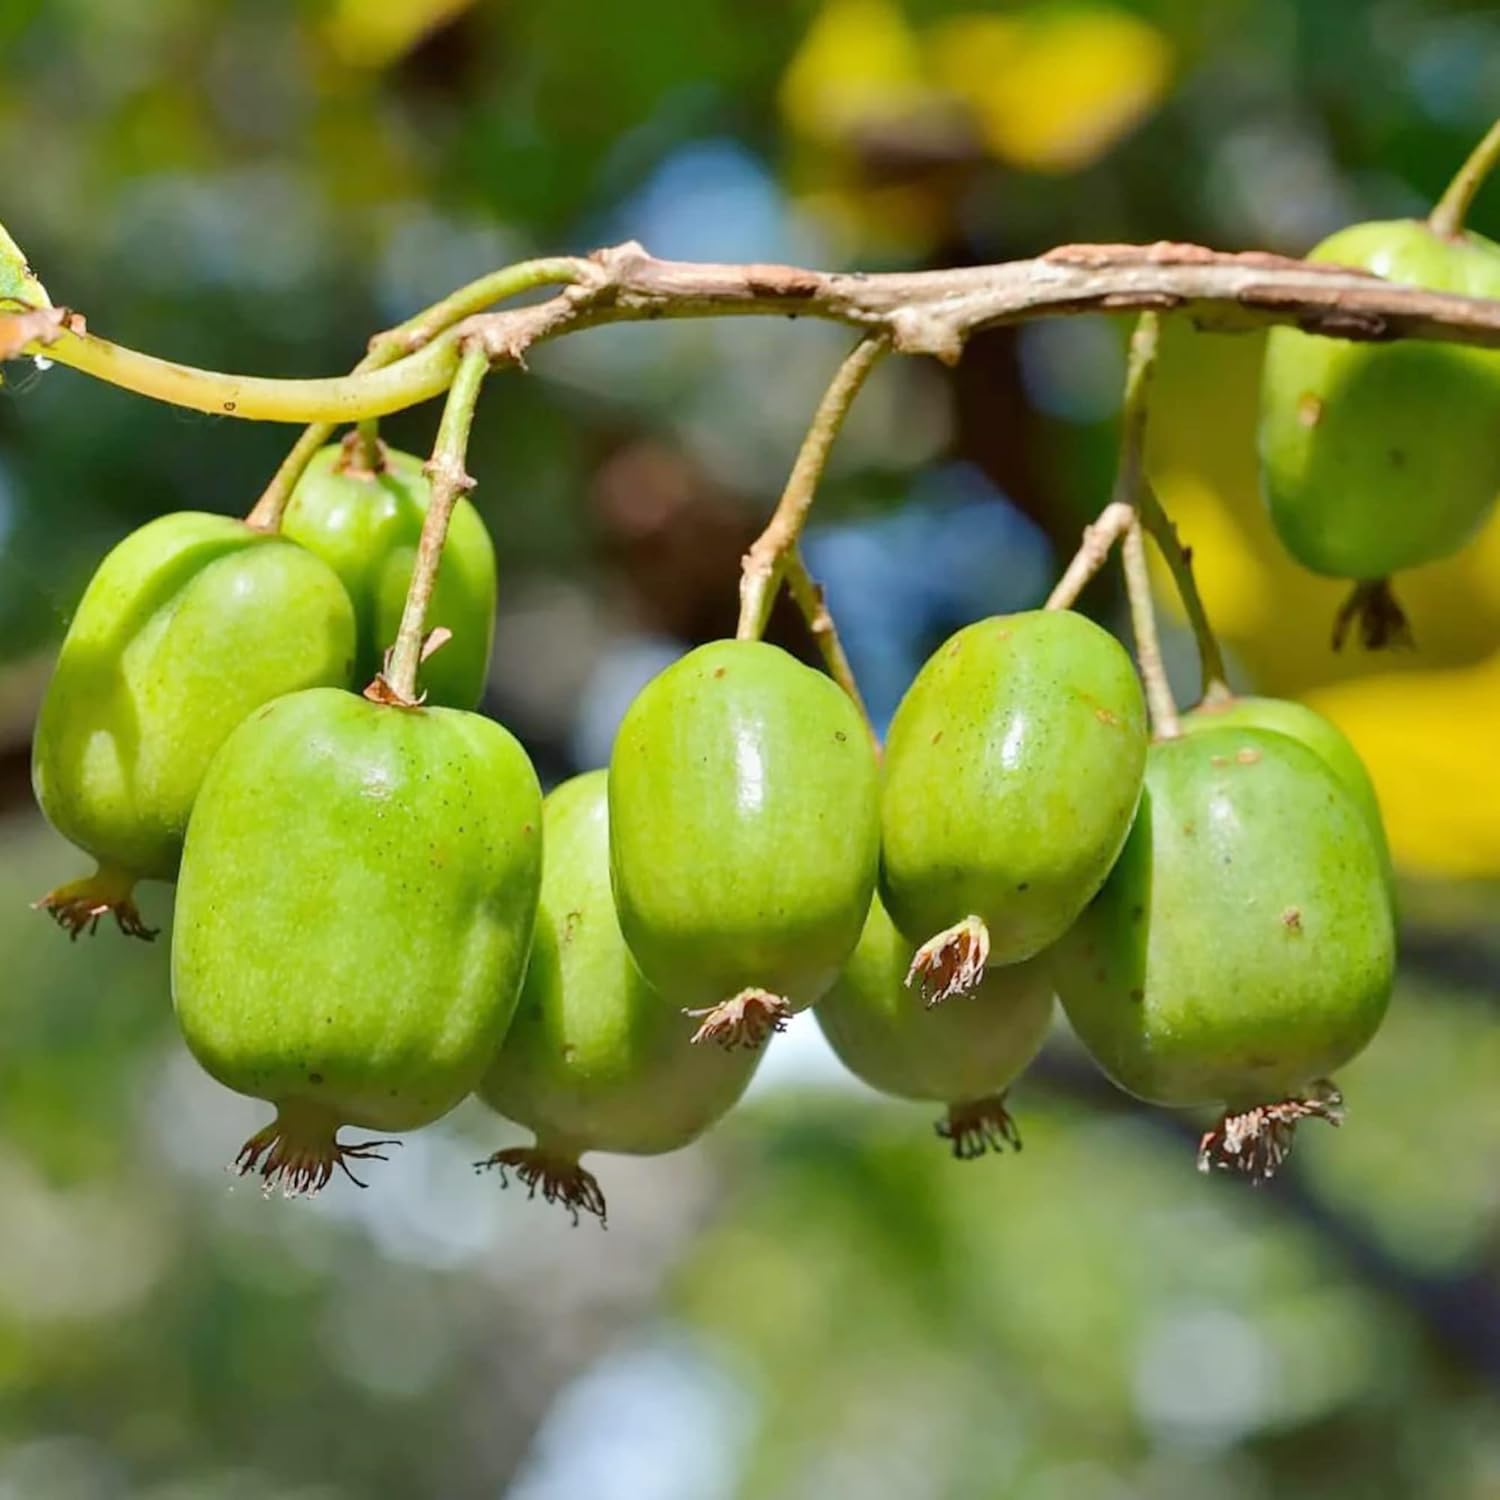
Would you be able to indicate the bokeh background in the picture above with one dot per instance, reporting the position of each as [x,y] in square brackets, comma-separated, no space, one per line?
[815,1301]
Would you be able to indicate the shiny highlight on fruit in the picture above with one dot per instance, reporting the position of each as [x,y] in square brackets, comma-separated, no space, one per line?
[1012,771]
[744,835]
[354,914]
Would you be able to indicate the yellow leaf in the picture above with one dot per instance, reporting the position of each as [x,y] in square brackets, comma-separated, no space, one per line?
[858,63]
[1428,739]
[374,33]
[1052,87]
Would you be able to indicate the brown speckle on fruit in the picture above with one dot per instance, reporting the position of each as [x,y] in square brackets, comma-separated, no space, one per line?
[1291,919]
[1247,756]
[1309,409]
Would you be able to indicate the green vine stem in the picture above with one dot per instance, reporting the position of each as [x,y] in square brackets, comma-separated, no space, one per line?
[1159,700]
[339,398]
[766,561]
[1448,214]
[369,392]
[495,286]
[450,480]
[807,594]
[405,338]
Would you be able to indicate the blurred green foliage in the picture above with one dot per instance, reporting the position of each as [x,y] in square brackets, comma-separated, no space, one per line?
[816,1301]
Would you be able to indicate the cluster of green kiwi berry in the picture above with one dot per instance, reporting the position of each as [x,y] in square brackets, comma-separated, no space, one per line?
[378,915]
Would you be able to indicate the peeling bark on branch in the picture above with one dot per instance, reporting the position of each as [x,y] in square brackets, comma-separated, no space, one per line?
[936,312]
[920,312]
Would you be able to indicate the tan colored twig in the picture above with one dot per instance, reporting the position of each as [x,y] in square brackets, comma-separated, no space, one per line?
[450,481]
[1213,678]
[1124,501]
[765,562]
[1133,497]
[1099,538]
[1164,722]
[807,594]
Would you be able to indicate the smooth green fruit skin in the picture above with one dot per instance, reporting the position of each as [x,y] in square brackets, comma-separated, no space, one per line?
[595,1059]
[366,528]
[1376,458]
[1243,947]
[1012,770]
[744,826]
[356,906]
[1308,727]
[968,1048]
[190,623]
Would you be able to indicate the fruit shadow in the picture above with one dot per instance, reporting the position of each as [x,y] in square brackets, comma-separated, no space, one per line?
[1119,946]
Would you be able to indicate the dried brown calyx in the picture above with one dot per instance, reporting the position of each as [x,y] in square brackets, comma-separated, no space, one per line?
[299,1151]
[558,1178]
[381,691]
[80,905]
[1374,608]
[952,963]
[977,1126]
[749,1019]
[1256,1141]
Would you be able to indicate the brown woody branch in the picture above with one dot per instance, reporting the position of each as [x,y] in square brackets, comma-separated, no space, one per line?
[918,312]
[936,312]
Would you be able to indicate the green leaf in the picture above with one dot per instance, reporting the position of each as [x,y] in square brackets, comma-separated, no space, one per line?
[17,284]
